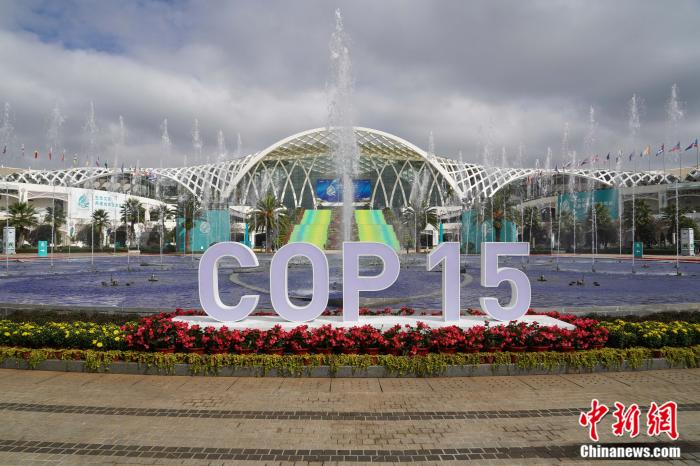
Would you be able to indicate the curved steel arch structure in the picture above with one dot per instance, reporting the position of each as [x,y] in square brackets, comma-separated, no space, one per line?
[291,166]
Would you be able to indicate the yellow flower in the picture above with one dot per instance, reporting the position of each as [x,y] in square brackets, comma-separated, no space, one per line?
[7,334]
[99,344]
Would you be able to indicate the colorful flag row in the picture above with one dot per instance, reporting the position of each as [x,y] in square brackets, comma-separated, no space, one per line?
[646,152]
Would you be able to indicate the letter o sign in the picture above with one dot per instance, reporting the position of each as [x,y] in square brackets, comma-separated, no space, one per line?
[279,284]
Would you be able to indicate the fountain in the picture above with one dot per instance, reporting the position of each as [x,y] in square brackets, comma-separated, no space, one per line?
[166,147]
[560,204]
[549,186]
[119,147]
[6,139]
[589,144]
[417,200]
[197,146]
[572,199]
[54,138]
[90,131]
[344,149]
[634,125]
[675,116]
[620,204]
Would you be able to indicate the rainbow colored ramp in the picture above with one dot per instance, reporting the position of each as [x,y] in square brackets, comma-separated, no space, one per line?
[313,228]
[372,227]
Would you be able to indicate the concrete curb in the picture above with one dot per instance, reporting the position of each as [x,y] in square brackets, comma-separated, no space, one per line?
[133,368]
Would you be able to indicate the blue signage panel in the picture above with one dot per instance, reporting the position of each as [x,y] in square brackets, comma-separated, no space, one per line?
[43,248]
[332,190]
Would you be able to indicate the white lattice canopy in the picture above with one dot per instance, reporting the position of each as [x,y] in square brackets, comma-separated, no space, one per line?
[292,166]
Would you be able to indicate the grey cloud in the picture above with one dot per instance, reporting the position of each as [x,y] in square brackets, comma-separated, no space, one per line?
[516,71]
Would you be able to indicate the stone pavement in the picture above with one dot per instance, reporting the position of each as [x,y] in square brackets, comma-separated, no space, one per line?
[74,418]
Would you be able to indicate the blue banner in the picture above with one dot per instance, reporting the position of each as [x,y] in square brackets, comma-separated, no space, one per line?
[332,190]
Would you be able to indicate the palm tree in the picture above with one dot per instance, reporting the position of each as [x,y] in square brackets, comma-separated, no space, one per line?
[644,222]
[420,215]
[418,211]
[502,204]
[187,208]
[668,214]
[532,229]
[100,219]
[57,217]
[163,212]
[132,211]
[563,229]
[605,229]
[266,216]
[22,217]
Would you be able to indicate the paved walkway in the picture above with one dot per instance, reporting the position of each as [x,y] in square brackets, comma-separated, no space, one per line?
[73,418]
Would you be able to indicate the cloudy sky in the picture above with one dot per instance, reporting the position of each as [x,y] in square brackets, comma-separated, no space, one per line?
[500,74]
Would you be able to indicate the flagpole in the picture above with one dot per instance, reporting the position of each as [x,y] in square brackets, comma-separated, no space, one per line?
[663,161]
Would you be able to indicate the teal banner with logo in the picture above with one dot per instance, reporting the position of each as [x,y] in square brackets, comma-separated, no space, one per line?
[214,227]
[43,248]
[581,201]
[474,233]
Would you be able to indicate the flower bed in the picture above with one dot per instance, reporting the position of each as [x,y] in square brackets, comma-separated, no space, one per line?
[160,334]
[652,334]
[78,335]
[296,365]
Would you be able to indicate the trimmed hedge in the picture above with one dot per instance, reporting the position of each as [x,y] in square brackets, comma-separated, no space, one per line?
[292,365]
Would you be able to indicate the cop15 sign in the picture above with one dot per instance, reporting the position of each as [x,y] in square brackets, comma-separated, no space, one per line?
[446,254]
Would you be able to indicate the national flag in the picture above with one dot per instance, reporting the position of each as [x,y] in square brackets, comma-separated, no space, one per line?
[647,150]
[4,149]
[63,156]
[75,160]
[629,157]
[607,157]
[36,154]
[676,148]
[50,153]
[22,150]
[692,145]
[660,151]
[556,168]
[97,162]
[596,158]
[105,164]
[122,167]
